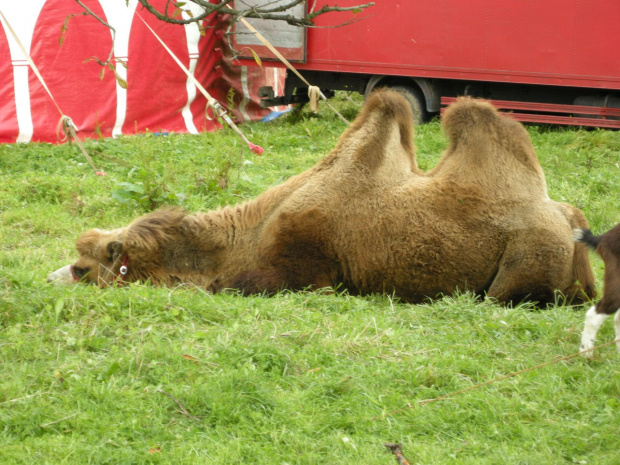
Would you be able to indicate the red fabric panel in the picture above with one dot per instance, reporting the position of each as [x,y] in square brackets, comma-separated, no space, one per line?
[8,117]
[228,79]
[230,82]
[156,91]
[206,71]
[157,87]
[75,85]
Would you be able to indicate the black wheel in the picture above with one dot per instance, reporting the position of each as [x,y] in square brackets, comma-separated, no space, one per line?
[417,102]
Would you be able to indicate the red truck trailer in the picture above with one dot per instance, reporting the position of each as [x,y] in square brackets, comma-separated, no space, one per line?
[545,60]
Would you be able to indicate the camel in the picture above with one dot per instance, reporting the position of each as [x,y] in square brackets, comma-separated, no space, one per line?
[367,219]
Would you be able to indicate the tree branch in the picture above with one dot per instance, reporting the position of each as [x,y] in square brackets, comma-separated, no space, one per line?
[329,9]
[47,425]
[397,450]
[208,9]
[90,12]
[264,11]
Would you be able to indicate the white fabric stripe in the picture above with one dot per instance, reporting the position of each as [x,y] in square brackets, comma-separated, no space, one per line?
[22,104]
[246,93]
[120,17]
[23,25]
[276,87]
[192,34]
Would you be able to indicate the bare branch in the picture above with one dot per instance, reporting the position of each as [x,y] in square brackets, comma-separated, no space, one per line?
[177,12]
[267,10]
[397,450]
[90,12]
[329,9]
[208,9]
[277,9]
[47,425]
[182,409]
[102,21]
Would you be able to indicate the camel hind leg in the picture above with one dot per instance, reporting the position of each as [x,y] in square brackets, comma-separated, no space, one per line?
[534,267]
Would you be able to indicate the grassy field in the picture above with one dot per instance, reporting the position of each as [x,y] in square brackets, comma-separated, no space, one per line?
[178,376]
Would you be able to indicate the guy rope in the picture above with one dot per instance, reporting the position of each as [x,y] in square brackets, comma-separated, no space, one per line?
[218,110]
[486,383]
[314,92]
[65,122]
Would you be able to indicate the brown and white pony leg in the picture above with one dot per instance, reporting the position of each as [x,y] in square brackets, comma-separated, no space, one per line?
[593,323]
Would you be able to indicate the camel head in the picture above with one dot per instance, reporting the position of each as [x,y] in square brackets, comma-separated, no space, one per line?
[165,246]
[100,261]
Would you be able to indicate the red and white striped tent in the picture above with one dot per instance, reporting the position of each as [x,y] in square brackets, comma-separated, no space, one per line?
[159,96]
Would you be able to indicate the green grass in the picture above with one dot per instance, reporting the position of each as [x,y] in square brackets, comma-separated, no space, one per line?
[155,375]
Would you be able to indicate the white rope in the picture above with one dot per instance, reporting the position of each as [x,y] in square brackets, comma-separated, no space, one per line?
[286,62]
[65,122]
[218,109]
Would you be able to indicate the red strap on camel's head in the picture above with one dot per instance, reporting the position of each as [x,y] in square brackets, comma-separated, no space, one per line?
[122,270]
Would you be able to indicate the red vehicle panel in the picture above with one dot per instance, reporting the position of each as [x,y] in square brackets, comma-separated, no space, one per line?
[549,51]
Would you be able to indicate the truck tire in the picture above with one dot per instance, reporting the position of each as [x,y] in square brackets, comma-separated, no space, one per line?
[417,102]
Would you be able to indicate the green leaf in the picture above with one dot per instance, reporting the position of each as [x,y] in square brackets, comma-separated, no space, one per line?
[113,369]
[119,79]
[60,304]
[120,196]
[131,187]
[257,58]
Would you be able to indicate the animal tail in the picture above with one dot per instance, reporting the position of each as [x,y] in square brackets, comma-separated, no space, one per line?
[585,235]
[581,260]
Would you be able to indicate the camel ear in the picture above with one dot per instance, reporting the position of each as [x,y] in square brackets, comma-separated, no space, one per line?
[114,249]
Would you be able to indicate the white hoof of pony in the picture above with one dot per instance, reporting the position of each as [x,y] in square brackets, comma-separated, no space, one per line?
[588,347]
[61,276]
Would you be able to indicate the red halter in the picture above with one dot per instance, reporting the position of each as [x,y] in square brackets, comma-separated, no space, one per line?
[122,270]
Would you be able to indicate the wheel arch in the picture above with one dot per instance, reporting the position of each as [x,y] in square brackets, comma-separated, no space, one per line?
[426,86]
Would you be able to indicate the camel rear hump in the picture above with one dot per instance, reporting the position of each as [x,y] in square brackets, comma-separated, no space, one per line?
[475,126]
[466,119]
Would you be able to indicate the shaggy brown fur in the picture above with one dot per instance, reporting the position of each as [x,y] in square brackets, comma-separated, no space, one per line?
[366,217]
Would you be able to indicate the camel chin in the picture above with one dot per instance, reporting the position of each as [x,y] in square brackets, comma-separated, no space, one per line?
[61,276]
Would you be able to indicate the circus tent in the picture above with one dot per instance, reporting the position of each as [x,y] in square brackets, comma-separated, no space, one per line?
[150,93]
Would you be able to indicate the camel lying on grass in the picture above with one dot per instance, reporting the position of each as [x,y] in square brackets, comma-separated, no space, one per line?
[367,219]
